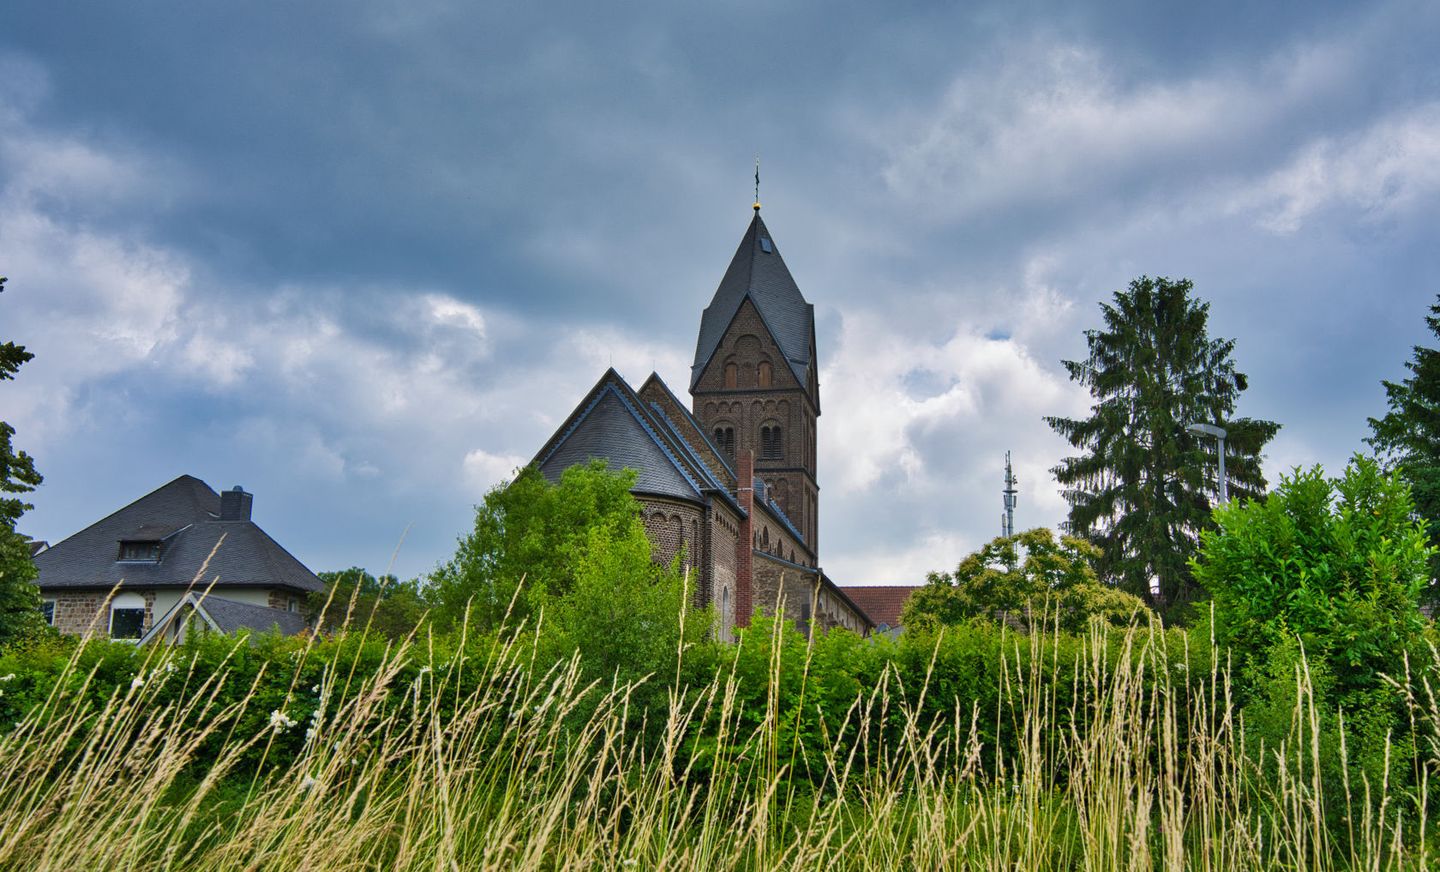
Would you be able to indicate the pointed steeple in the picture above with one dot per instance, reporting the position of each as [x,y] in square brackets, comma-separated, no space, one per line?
[758,273]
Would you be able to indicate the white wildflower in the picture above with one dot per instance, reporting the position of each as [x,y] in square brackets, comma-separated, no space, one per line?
[424,669]
[9,677]
[310,733]
[137,682]
[280,721]
[306,783]
[314,688]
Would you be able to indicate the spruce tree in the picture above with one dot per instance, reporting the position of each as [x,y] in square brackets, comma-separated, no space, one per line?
[1143,489]
[19,597]
[1408,436]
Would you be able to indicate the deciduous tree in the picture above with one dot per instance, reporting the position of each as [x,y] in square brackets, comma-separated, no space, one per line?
[1142,491]
[1014,577]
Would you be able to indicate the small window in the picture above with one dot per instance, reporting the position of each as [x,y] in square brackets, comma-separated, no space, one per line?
[771,443]
[765,245]
[140,551]
[732,375]
[47,609]
[725,440]
[766,374]
[127,616]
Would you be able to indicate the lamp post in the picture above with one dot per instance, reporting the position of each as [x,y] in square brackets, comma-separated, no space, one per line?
[1219,434]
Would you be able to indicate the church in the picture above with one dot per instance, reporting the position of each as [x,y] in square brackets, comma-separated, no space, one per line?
[730,482]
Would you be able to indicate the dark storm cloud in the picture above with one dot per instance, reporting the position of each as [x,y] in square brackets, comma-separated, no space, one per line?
[362,257]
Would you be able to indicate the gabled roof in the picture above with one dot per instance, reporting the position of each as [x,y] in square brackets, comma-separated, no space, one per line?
[690,431]
[761,276]
[611,424]
[184,516]
[616,424]
[882,603]
[229,616]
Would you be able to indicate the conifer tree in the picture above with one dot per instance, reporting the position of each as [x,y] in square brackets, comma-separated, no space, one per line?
[1408,436]
[1143,489]
[19,598]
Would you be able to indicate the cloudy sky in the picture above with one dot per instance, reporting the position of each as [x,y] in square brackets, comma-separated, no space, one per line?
[362,257]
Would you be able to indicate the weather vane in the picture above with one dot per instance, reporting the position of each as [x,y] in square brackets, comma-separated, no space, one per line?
[757,183]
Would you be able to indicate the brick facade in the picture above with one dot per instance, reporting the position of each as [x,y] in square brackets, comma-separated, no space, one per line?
[747,407]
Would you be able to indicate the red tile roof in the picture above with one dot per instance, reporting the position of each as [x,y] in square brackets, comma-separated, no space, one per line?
[881,602]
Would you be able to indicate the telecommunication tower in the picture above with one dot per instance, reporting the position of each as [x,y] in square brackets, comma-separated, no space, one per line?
[1007,520]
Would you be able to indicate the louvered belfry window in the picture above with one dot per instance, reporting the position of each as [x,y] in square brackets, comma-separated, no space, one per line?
[772,444]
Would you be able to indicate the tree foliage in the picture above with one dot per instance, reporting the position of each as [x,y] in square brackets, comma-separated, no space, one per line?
[1337,564]
[19,598]
[527,539]
[1013,577]
[357,599]
[589,582]
[1142,489]
[1408,436]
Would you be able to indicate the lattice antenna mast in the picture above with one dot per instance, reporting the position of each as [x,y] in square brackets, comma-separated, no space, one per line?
[1007,520]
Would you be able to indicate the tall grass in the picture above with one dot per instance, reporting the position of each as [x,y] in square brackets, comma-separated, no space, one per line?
[536,768]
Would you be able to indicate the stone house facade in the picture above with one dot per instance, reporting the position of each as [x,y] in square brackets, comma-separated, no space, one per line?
[127,573]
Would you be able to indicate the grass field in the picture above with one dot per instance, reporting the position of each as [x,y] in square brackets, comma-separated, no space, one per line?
[536,769]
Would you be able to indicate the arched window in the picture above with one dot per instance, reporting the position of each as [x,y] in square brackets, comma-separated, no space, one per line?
[725,440]
[765,374]
[127,616]
[772,443]
[732,375]
[764,537]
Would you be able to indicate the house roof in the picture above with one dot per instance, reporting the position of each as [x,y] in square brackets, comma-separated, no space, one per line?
[183,516]
[229,616]
[882,603]
[758,273]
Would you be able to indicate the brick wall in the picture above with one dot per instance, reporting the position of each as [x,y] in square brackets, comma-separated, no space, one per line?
[724,536]
[747,408]
[673,525]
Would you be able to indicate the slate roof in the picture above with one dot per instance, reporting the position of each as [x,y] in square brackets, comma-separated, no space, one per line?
[229,616]
[762,277]
[612,424]
[881,602]
[184,517]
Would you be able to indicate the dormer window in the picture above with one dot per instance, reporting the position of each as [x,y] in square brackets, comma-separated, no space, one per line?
[140,551]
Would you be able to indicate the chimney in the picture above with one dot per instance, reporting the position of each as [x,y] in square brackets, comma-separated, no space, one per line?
[745,542]
[235,504]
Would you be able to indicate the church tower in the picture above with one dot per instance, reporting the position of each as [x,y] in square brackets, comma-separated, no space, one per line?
[754,384]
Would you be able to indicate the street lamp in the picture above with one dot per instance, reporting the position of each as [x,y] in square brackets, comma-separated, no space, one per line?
[1219,434]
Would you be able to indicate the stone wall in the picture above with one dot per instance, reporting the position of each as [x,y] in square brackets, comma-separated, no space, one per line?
[87,612]
[802,597]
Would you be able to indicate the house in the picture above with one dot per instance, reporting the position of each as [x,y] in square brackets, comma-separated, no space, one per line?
[178,555]
[730,481]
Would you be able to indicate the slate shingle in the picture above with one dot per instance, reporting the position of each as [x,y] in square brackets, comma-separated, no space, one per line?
[183,516]
[763,277]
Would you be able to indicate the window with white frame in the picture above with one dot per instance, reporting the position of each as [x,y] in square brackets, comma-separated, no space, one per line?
[127,616]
